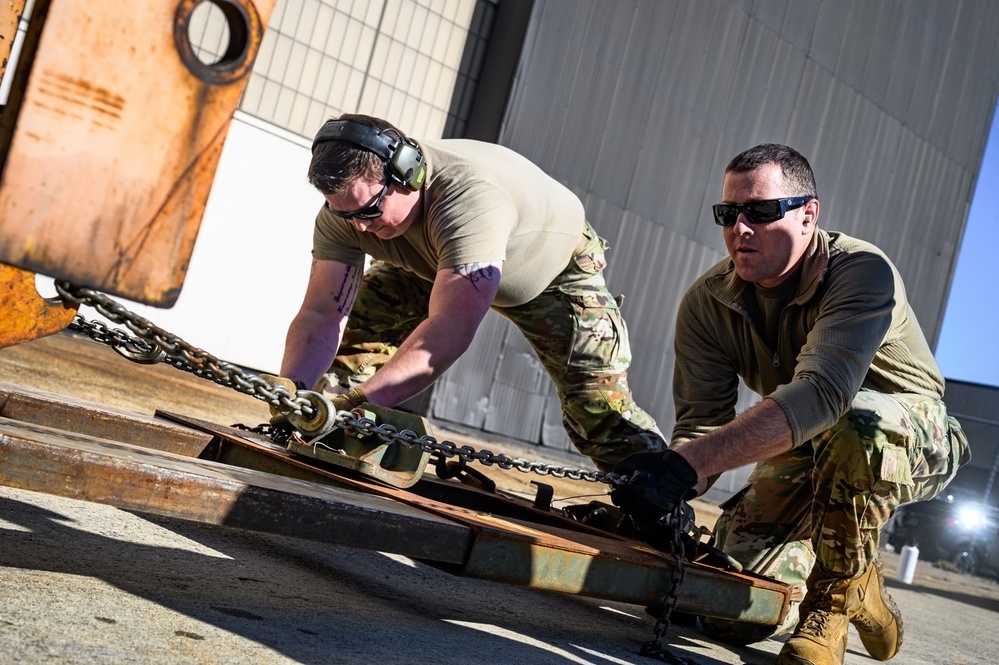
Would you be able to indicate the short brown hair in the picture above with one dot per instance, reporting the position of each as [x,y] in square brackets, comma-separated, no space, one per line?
[795,168]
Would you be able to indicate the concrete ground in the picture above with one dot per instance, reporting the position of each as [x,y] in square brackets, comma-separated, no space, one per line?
[88,583]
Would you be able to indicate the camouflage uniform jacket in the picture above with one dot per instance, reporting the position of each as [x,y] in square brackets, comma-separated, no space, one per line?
[848,326]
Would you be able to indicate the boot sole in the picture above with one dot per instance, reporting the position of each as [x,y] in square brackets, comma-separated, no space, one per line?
[793,660]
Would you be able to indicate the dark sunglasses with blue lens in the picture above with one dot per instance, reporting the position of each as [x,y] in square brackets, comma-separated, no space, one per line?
[757,212]
[373,211]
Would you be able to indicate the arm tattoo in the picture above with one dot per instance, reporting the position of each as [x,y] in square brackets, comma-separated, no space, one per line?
[344,297]
[474,272]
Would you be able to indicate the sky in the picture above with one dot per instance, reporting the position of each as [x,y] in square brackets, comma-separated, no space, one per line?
[968,348]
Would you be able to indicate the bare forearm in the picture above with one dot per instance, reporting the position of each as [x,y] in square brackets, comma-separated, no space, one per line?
[756,435]
[425,355]
[315,332]
[309,348]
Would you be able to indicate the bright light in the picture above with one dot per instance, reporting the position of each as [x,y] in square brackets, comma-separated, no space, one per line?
[971,517]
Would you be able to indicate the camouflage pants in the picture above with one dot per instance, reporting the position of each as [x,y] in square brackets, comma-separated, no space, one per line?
[574,326]
[828,499]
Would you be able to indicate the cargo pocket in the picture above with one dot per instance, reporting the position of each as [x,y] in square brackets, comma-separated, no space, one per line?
[600,337]
[894,466]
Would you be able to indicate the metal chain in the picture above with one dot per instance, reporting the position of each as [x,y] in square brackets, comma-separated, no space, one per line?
[654,648]
[448,449]
[154,345]
[197,361]
[157,345]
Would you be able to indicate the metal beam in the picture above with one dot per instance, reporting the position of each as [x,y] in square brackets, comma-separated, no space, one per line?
[102,422]
[539,549]
[42,459]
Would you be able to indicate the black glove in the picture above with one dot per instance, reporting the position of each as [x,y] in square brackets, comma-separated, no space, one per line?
[657,482]
[660,533]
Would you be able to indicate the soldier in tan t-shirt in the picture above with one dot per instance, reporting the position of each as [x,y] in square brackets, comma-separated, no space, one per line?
[454,228]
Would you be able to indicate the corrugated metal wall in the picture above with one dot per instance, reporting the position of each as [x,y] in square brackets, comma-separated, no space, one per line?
[638,105]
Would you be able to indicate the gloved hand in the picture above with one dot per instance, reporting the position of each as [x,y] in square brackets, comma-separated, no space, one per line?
[657,482]
[351,399]
[291,386]
[661,534]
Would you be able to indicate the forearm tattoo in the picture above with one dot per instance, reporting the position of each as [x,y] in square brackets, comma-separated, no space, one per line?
[476,272]
[344,297]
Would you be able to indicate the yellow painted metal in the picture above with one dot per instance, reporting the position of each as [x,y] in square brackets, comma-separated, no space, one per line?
[392,463]
[26,315]
[111,139]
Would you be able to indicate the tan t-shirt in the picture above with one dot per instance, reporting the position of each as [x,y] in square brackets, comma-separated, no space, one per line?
[482,203]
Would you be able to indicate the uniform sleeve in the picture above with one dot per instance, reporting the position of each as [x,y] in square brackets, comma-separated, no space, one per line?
[705,381]
[859,299]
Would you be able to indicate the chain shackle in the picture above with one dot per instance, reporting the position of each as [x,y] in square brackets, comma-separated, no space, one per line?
[320,422]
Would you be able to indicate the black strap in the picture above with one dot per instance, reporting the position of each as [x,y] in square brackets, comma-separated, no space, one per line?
[357,133]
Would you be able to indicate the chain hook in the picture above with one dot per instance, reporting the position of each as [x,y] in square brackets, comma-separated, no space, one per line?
[320,422]
[150,355]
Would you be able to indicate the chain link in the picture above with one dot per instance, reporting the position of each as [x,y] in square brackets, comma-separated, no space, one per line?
[654,648]
[176,351]
[153,344]
[448,450]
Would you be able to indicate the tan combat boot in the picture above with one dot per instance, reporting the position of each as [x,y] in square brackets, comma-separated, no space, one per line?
[821,635]
[874,614]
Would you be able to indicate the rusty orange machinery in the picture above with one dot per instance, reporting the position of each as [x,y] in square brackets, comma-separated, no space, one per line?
[109,144]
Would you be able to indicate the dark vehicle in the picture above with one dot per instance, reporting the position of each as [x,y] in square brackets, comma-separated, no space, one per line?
[950,527]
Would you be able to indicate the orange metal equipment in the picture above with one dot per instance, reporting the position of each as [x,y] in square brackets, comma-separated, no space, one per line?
[111,137]
[26,315]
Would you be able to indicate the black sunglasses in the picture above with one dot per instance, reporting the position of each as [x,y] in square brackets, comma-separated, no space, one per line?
[373,211]
[757,212]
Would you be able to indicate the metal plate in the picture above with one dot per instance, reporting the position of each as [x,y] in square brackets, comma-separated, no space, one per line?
[393,463]
[112,138]
[545,553]
[261,486]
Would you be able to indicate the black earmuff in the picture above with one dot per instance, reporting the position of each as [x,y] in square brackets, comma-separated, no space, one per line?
[404,162]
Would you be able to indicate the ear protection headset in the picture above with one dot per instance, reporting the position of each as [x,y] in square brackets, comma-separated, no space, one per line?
[404,162]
